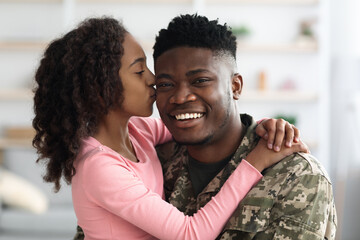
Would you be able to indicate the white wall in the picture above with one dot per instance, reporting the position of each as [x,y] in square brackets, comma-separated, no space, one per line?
[345,86]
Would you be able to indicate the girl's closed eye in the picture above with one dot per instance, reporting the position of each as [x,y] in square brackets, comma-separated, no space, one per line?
[140,72]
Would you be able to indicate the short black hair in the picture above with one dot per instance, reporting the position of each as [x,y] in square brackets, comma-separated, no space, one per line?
[195,31]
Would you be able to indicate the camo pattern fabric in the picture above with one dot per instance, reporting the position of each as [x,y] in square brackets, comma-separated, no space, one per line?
[79,235]
[293,200]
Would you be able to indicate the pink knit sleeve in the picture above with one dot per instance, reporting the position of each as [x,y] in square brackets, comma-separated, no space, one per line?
[154,127]
[117,189]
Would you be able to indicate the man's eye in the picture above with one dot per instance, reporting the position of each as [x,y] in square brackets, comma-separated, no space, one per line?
[201,80]
[141,72]
[163,85]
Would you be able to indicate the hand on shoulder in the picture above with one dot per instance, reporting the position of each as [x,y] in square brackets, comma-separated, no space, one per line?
[262,157]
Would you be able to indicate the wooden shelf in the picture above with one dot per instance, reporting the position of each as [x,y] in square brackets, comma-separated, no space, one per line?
[148,44]
[278,96]
[276,48]
[22,45]
[16,94]
[135,1]
[311,144]
[31,1]
[292,2]
[6,143]
[270,2]
[257,48]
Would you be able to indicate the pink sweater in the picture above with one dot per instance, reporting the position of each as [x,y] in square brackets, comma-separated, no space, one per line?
[115,198]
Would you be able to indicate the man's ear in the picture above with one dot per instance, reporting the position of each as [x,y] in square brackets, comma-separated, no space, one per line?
[237,84]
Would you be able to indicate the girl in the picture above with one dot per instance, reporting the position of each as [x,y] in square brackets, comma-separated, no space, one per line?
[93,96]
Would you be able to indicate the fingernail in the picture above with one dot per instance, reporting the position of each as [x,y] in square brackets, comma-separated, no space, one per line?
[266,136]
[270,145]
[277,148]
[288,144]
[296,139]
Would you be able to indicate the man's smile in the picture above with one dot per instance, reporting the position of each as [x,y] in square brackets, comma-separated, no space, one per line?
[186,116]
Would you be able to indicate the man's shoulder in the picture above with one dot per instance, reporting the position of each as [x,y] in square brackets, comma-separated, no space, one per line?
[296,171]
[296,194]
[314,166]
[300,164]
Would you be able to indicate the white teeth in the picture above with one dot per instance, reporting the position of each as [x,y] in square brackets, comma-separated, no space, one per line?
[188,116]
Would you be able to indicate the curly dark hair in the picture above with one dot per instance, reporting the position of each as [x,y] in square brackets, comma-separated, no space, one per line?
[78,82]
[195,31]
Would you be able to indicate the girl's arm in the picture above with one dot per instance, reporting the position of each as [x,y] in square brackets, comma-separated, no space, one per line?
[117,189]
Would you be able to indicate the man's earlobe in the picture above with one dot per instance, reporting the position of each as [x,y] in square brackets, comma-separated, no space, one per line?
[237,84]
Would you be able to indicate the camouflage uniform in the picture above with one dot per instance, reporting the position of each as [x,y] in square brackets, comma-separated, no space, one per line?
[294,199]
[79,234]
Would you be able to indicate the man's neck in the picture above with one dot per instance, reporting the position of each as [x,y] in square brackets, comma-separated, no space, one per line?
[215,151]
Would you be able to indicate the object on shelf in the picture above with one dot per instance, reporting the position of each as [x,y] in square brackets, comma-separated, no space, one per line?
[290,118]
[262,85]
[306,37]
[288,84]
[241,32]
[17,192]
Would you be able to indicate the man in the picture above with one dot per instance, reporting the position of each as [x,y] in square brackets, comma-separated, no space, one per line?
[197,88]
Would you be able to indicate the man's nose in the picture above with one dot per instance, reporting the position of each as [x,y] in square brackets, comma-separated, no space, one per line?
[182,94]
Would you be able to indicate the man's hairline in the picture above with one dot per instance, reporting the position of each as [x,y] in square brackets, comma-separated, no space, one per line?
[217,53]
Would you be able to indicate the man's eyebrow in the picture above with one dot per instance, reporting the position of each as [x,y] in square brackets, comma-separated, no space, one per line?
[140,59]
[193,72]
[163,75]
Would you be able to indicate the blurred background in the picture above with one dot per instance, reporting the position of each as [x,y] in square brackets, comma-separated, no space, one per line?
[300,60]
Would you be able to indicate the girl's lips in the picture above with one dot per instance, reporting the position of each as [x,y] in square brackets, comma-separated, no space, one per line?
[153,95]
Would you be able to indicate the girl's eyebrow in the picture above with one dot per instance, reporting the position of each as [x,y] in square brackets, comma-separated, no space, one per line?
[141,59]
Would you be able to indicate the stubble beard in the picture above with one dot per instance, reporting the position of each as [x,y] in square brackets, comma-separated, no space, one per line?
[207,139]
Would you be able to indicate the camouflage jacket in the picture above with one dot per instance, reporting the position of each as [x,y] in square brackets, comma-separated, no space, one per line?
[293,200]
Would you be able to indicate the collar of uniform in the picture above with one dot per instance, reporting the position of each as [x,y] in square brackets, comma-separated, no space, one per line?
[248,142]
[176,174]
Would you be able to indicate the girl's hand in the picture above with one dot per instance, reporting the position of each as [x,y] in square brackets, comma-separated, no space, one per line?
[261,157]
[276,131]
